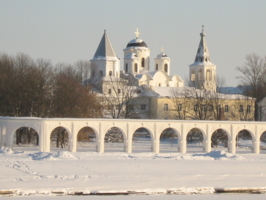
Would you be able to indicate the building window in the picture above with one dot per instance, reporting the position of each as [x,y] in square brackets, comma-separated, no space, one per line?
[179,107]
[143,107]
[157,67]
[126,68]
[192,78]
[119,91]
[159,84]
[166,68]
[210,108]
[241,108]
[109,91]
[203,108]
[136,67]
[208,75]
[101,73]
[110,73]
[200,75]
[226,108]
[248,108]
[142,62]
[218,108]
[195,108]
[165,108]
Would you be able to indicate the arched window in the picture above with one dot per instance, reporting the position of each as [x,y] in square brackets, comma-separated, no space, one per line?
[159,84]
[142,62]
[192,78]
[136,67]
[200,75]
[126,68]
[166,68]
[157,67]
[208,75]
[101,73]
[110,73]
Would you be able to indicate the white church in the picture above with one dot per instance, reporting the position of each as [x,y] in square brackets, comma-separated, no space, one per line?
[137,66]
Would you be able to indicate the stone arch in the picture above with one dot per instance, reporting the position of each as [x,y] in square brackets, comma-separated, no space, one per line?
[169,140]
[115,139]
[244,141]
[195,139]
[220,137]
[140,143]
[25,137]
[263,142]
[87,138]
[60,138]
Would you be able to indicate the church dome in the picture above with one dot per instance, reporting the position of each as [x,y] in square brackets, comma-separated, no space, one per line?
[162,55]
[137,43]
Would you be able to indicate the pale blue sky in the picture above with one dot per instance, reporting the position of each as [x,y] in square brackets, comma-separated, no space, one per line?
[70,30]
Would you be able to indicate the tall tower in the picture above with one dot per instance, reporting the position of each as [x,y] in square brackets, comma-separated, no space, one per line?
[202,73]
[162,62]
[105,62]
[136,56]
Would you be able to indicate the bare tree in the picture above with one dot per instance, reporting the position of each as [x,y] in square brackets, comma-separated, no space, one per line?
[119,97]
[253,78]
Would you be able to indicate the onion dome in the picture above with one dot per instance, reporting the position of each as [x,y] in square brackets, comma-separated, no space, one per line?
[137,42]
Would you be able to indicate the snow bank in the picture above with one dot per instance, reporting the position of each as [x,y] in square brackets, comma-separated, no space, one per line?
[6,150]
[220,155]
[52,156]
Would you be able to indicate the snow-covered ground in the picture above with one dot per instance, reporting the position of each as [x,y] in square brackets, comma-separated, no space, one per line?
[24,170]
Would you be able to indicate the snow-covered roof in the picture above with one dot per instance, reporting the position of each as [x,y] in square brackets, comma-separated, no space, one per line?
[180,91]
[105,50]
[202,55]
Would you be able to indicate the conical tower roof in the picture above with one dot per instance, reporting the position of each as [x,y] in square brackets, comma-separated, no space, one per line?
[105,49]
[202,55]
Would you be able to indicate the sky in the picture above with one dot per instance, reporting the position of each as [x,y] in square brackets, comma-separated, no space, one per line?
[70,30]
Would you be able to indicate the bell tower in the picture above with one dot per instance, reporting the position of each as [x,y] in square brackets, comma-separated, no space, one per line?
[202,73]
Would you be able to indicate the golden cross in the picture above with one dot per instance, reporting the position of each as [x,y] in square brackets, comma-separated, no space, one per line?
[137,33]
[162,49]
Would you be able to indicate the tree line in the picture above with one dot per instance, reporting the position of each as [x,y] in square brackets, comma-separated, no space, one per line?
[36,88]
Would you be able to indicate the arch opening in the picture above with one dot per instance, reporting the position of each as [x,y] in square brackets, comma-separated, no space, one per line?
[168,141]
[244,142]
[86,140]
[114,140]
[195,141]
[141,141]
[59,139]
[25,139]
[219,140]
[263,143]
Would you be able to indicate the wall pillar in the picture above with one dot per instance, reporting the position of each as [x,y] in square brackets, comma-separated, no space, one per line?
[256,144]
[73,141]
[100,140]
[232,145]
[129,139]
[157,144]
[3,136]
[207,146]
[183,141]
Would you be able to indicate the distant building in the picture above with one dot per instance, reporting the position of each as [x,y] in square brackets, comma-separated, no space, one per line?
[138,91]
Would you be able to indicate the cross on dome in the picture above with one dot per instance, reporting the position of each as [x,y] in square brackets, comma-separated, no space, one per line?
[162,49]
[202,28]
[137,33]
